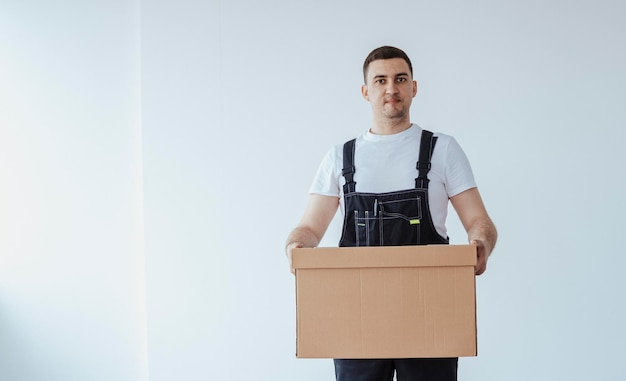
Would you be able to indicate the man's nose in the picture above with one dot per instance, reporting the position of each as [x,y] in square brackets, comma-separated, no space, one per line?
[391,88]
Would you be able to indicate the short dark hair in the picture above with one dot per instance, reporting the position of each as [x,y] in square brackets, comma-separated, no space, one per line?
[385,53]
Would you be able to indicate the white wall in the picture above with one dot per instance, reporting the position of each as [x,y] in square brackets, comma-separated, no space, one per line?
[242,99]
[233,106]
[71,258]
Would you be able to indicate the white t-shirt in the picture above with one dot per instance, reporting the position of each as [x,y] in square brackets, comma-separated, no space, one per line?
[386,163]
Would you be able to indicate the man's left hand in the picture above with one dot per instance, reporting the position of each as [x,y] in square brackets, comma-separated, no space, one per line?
[482,256]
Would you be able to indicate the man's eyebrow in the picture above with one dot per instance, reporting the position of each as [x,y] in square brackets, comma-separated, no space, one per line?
[396,75]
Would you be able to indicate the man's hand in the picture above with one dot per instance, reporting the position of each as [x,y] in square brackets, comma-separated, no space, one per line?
[482,256]
[319,212]
[289,252]
[480,229]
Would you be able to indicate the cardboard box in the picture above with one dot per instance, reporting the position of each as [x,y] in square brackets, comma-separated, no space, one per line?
[386,302]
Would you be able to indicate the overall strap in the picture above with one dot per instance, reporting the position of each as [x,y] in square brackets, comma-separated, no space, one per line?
[348,166]
[427,145]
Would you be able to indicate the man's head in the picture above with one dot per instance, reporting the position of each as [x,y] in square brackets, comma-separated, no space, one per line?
[384,53]
[390,88]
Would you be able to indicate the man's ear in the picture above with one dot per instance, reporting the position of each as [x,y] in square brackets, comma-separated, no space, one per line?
[365,93]
[415,88]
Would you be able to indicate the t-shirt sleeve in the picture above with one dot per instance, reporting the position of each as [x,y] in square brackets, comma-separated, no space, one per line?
[326,180]
[458,172]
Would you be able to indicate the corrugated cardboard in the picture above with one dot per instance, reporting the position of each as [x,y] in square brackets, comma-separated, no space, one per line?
[386,302]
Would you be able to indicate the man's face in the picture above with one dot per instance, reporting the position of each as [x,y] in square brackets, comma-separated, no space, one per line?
[390,88]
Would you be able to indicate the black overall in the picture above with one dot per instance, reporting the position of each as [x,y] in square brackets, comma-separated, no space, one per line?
[391,219]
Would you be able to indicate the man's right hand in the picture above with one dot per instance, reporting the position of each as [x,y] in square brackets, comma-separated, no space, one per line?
[319,212]
[289,252]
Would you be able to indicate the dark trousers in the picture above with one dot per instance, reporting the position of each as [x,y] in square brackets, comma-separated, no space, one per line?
[435,369]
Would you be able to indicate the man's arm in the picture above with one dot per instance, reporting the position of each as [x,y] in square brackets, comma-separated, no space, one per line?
[319,212]
[480,229]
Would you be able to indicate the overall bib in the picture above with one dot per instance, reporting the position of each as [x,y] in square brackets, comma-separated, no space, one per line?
[391,219]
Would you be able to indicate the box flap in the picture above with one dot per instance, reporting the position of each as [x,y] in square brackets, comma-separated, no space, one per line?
[384,256]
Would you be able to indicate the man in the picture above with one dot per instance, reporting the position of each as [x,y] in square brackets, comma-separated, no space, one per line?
[393,184]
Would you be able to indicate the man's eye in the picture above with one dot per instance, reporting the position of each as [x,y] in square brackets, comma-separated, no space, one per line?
[380,81]
[401,79]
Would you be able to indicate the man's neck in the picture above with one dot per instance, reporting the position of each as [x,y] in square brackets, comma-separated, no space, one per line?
[390,127]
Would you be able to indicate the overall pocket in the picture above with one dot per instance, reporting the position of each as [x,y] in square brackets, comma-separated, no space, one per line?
[400,220]
[365,226]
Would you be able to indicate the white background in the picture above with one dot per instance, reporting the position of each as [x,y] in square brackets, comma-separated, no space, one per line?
[155,155]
